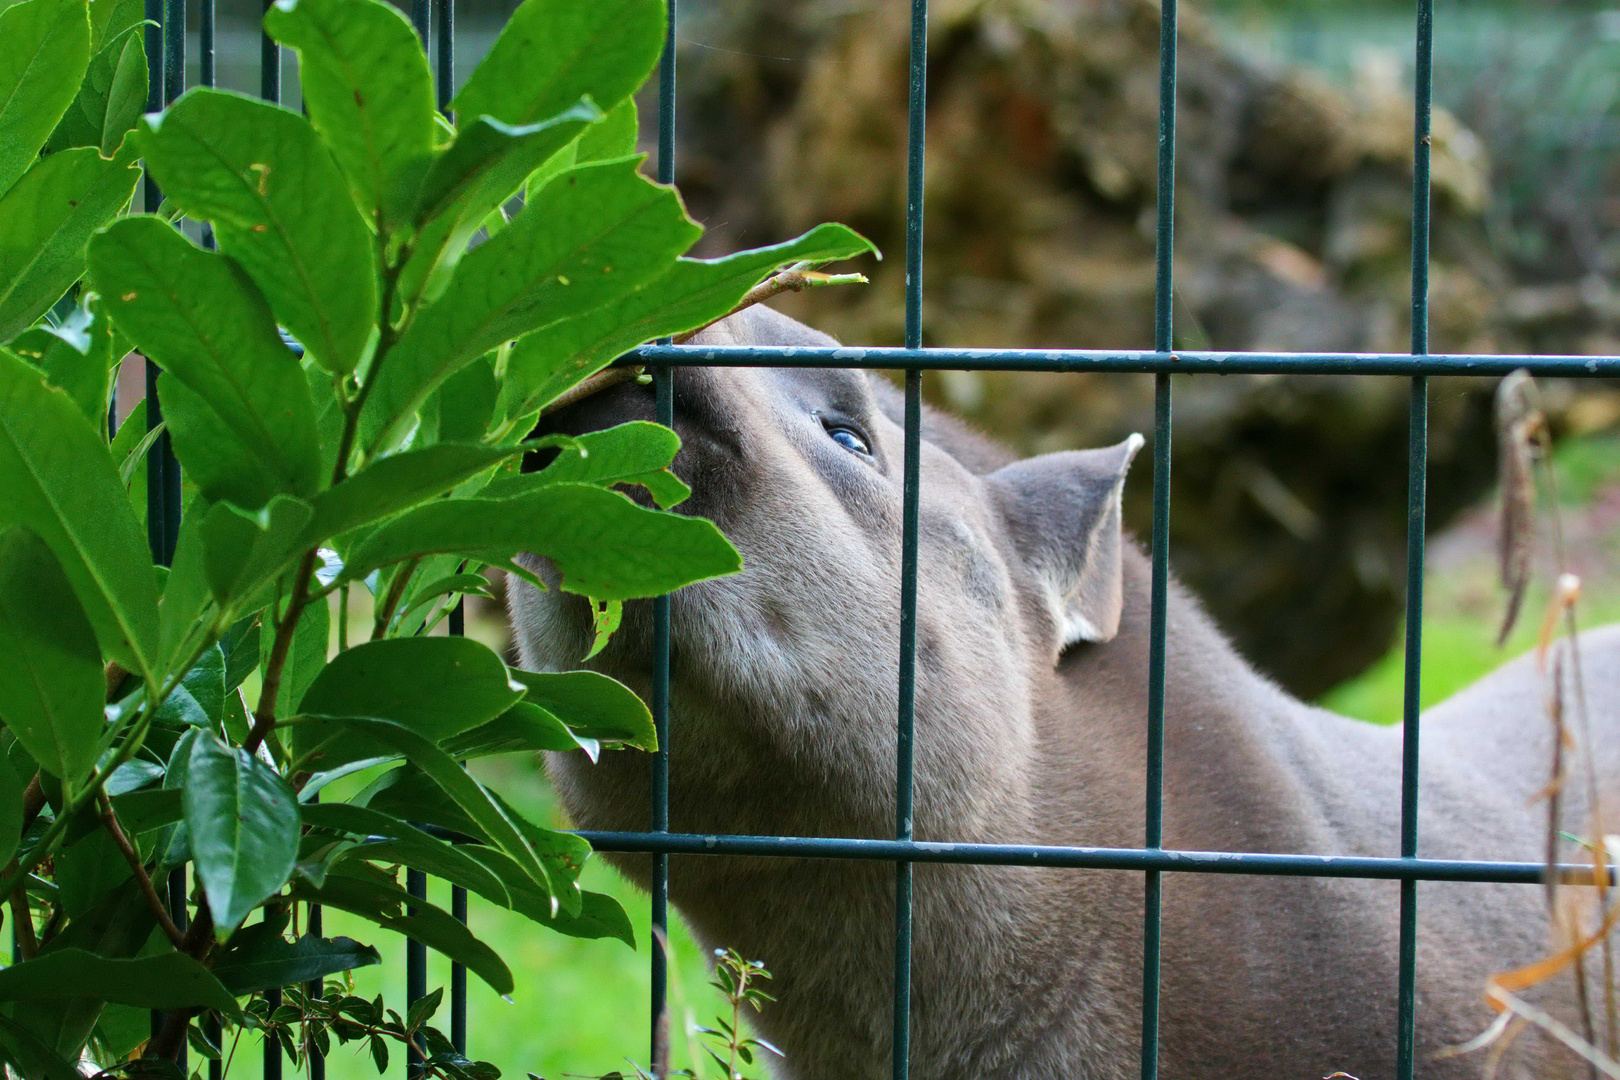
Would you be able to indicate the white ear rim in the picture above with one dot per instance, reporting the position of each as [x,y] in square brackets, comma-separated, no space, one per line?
[1073,627]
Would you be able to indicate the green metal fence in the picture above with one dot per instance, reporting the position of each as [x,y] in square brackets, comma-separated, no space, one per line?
[165,48]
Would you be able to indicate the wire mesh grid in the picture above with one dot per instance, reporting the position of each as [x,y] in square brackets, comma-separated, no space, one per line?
[434,21]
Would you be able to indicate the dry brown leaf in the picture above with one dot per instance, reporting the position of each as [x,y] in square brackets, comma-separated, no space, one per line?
[1518,421]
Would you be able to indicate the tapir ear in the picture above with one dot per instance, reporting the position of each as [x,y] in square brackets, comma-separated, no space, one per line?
[1063,514]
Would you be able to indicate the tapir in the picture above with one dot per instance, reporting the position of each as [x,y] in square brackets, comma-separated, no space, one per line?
[1031,719]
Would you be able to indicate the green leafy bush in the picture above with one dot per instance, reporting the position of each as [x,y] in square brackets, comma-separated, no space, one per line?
[159,718]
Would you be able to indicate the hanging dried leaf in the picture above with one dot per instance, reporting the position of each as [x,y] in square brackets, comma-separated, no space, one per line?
[1519,422]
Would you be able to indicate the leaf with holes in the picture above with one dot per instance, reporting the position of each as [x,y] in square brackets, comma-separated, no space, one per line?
[279,206]
[243,822]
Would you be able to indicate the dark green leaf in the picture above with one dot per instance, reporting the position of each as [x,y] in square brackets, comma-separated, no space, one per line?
[406,845]
[259,958]
[550,54]
[468,794]
[428,924]
[110,100]
[31,1053]
[57,479]
[241,645]
[45,220]
[606,546]
[591,235]
[524,728]
[397,483]
[87,870]
[51,682]
[233,393]
[199,700]
[47,48]
[242,551]
[690,293]
[435,686]
[167,980]
[279,207]
[635,453]
[592,705]
[368,91]
[466,402]
[143,811]
[11,809]
[243,820]
[423,1008]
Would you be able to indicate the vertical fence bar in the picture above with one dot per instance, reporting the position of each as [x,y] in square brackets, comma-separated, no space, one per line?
[1163,341]
[664,391]
[1416,498]
[916,133]
[420,17]
[445,75]
[415,964]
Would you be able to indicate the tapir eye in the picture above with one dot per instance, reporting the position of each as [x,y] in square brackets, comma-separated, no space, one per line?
[849,439]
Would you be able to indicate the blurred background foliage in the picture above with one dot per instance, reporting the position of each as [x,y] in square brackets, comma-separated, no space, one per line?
[1292,234]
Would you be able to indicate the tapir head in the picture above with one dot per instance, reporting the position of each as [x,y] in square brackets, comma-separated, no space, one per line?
[785,678]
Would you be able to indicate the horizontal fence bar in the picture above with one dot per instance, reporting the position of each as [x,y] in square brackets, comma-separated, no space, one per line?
[1091,858]
[1142,361]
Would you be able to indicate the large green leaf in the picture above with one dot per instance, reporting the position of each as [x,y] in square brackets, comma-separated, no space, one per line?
[552,52]
[478,172]
[32,1055]
[588,237]
[592,705]
[235,396]
[368,91]
[51,683]
[306,657]
[436,686]
[386,905]
[110,100]
[690,293]
[11,808]
[45,220]
[243,820]
[57,479]
[47,45]
[259,958]
[406,845]
[595,915]
[606,546]
[168,980]
[397,483]
[279,206]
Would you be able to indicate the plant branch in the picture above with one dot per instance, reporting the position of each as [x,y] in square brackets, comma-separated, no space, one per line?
[109,819]
[264,715]
[396,592]
[197,942]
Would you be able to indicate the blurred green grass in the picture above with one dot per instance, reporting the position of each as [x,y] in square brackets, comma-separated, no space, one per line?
[1463,603]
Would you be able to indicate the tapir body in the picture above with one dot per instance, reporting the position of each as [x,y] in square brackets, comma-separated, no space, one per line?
[1031,707]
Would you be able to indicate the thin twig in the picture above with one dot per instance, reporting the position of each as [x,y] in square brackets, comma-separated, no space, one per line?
[109,820]
[22,920]
[396,592]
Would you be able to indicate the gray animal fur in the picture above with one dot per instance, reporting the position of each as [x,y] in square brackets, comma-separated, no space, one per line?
[783,710]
